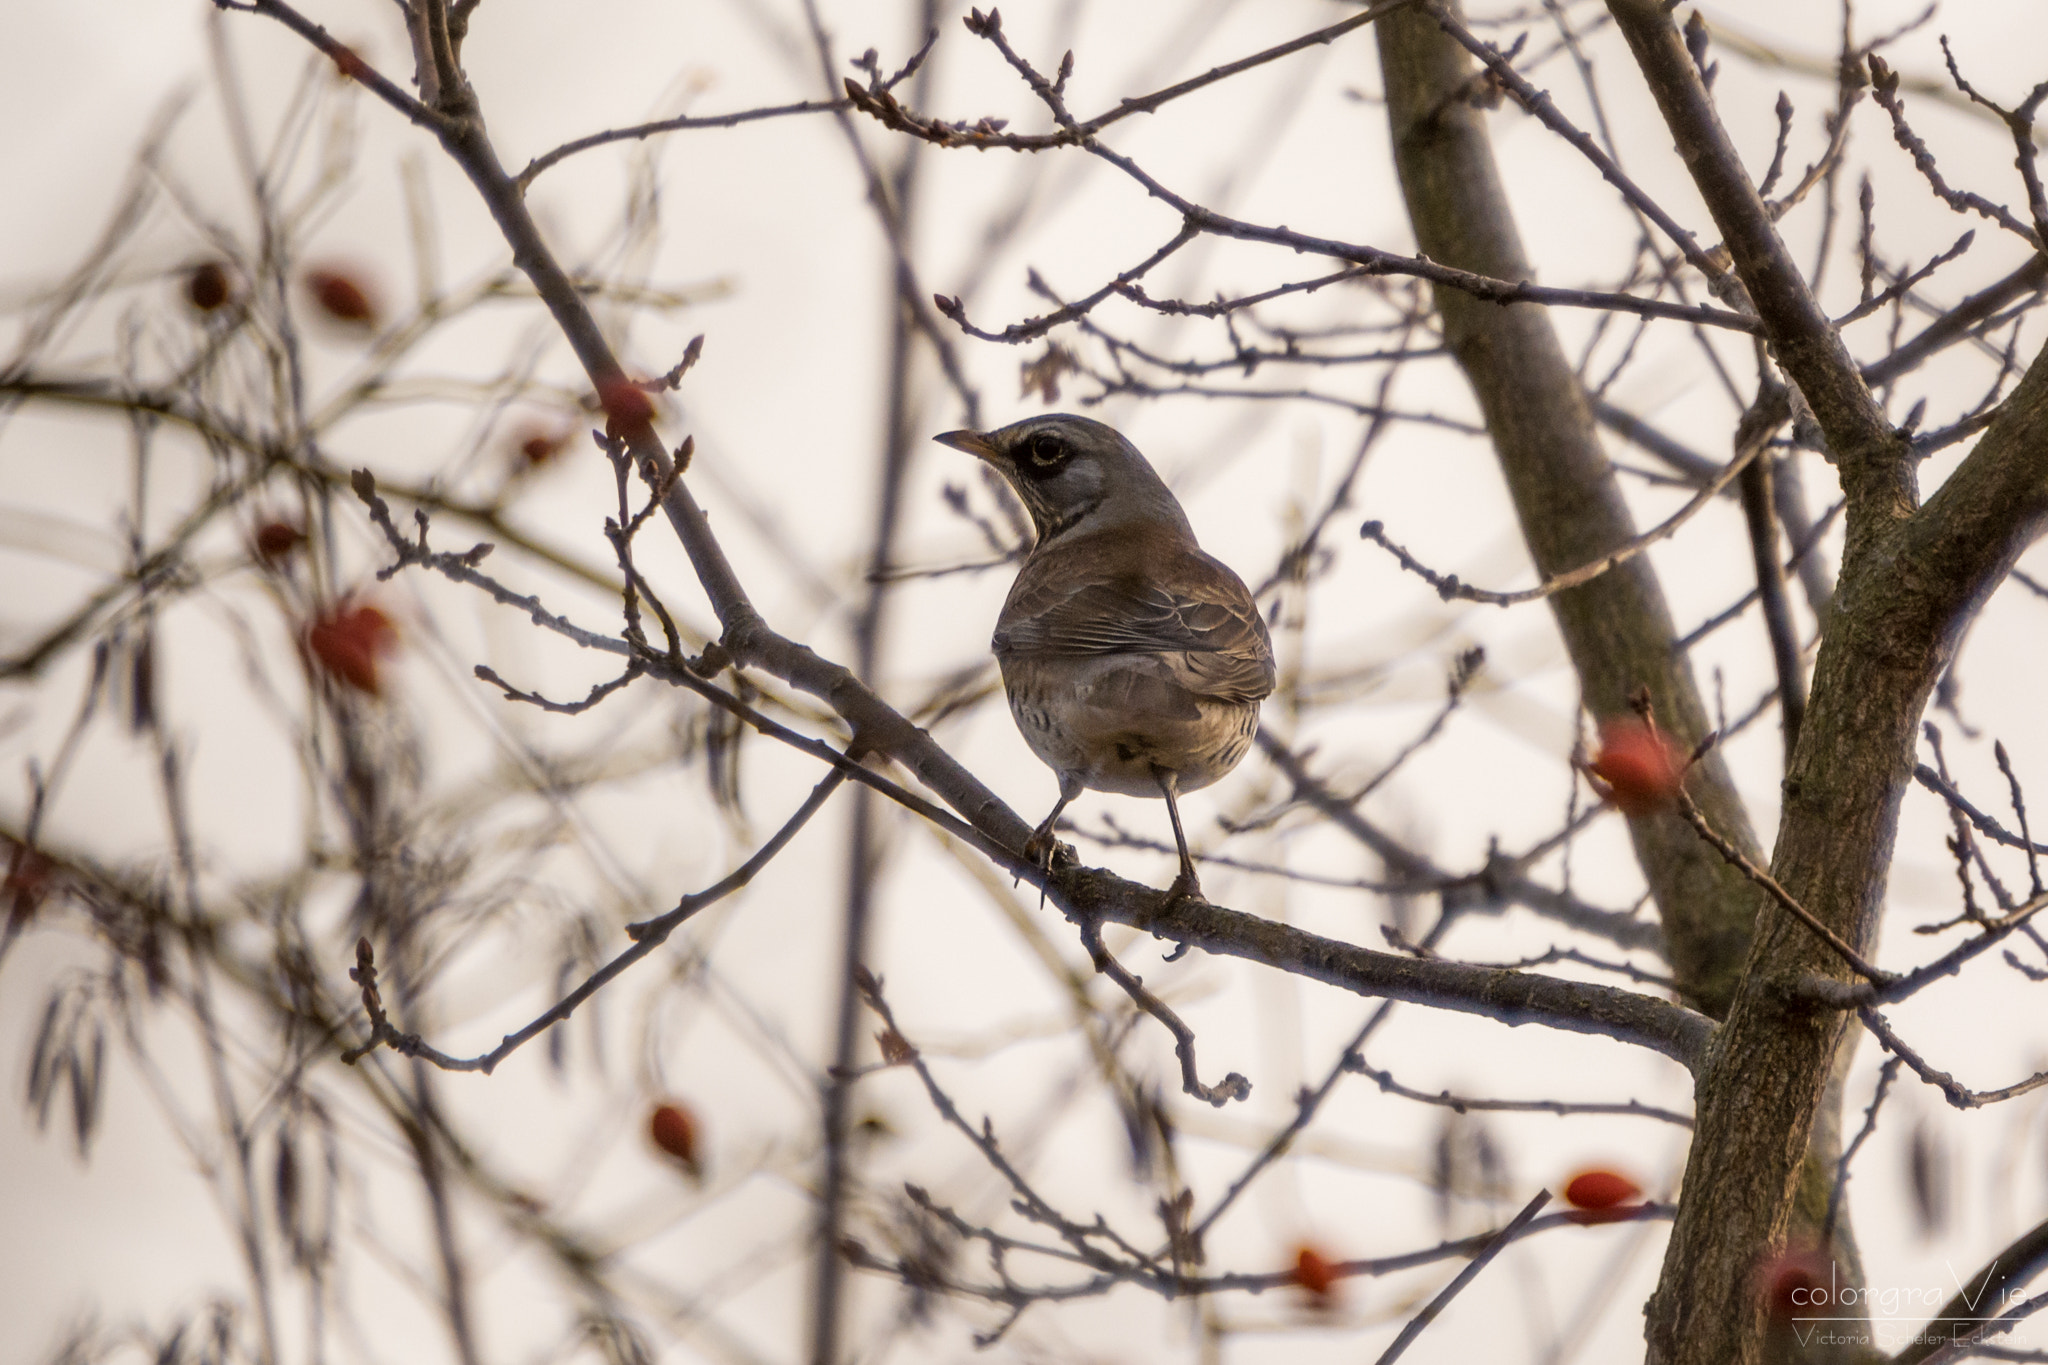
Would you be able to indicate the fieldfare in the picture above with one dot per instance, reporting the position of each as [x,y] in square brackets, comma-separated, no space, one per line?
[1134,663]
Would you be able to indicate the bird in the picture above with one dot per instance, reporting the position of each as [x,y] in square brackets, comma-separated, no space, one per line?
[1134,662]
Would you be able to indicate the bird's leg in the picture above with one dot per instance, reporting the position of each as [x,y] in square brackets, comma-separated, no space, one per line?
[1186,886]
[1038,848]
[1041,848]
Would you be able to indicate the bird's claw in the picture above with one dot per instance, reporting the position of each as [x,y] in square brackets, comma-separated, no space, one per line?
[1043,851]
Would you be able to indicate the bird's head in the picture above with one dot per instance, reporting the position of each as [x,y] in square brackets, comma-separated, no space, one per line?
[1073,472]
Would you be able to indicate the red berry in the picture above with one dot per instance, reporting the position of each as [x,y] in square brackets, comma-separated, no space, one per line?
[28,880]
[351,65]
[348,641]
[276,540]
[1315,1275]
[343,295]
[674,1130]
[1640,765]
[1600,1190]
[537,445]
[1601,1197]
[208,286]
[1795,1285]
[627,407]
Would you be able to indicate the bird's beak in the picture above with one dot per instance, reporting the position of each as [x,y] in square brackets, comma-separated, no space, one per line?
[973,442]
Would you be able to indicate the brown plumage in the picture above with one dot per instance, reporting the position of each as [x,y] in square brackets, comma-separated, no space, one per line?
[1134,662]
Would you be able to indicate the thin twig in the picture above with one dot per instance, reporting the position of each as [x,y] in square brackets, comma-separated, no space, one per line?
[1954,1091]
[2019,807]
[1884,87]
[1461,1104]
[1539,103]
[641,131]
[1842,995]
[647,935]
[1902,285]
[1028,1202]
[1762,419]
[1436,1306]
[1886,1074]
[1986,825]
[1232,1087]
[1448,586]
[1779,894]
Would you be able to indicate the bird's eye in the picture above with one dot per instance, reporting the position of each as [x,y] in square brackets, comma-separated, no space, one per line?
[1045,450]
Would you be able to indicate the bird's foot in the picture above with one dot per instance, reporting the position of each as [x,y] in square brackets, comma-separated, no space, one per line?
[1044,850]
[1186,888]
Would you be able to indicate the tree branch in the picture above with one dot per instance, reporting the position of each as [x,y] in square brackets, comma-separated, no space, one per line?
[1875,460]
[1617,627]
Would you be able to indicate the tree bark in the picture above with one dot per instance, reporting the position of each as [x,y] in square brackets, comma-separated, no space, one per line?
[1911,582]
[1616,628]
[1893,631]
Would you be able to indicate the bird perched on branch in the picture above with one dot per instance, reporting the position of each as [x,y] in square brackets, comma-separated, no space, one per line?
[1134,662]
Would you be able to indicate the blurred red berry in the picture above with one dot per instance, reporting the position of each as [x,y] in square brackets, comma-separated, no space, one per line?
[1600,1196]
[208,286]
[348,642]
[276,540]
[344,295]
[28,880]
[1795,1284]
[1640,765]
[674,1130]
[536,445]
[1315,1275]
[627,407]
[349,63]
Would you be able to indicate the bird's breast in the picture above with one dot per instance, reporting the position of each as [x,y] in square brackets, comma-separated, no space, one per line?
[1115,721]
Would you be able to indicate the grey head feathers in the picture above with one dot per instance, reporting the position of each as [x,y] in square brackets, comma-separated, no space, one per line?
[1074,473]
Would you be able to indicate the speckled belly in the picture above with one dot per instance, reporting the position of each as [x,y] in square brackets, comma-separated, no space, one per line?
[1112,721]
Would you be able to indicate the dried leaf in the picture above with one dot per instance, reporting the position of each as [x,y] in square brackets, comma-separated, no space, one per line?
[896,1049]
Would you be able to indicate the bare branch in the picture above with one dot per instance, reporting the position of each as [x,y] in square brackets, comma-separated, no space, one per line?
[1779,894]
[1435,1307]
[1461,1104]
[1231,1087]
[1956,1093]
[682,123]
[1448,586]
[1986,825]
[647,935]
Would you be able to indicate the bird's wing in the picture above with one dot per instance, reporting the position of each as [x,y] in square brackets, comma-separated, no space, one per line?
[1189,609]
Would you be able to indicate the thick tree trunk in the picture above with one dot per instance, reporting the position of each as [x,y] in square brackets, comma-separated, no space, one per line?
[1893,631]
[1914,579]
[1617,628]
